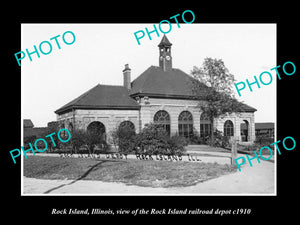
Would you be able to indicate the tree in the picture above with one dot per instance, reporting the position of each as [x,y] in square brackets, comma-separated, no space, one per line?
[212,86]
[50,130]
[78,139]
[92,139]
[29,139]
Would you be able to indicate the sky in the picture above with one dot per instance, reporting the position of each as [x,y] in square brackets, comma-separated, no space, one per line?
[100,52]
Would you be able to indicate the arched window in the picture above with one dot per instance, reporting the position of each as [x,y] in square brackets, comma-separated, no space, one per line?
[205,125]
[185,124]
[244,130]
[127,124]
[228,128]
[70,128]
[97,128]
[163,118]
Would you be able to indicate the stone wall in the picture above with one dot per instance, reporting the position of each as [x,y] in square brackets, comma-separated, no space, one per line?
[109,118]
[174,107]
[237,119]
[112,118]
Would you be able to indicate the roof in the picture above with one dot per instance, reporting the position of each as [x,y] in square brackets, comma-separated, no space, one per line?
[156,82]
[164,41]
[247,108]
[27,123]
[262,126]
[102,97]
[153,82]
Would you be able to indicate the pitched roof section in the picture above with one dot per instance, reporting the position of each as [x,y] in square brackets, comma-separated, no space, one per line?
[261,126]
[247,108]
[164,41]
[102,97]
[27,123]
[156,82]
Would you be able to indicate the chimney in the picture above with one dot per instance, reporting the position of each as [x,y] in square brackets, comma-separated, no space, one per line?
[127,77]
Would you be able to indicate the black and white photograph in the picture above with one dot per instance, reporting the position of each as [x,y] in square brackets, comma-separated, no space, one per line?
[138,112]
[154,117]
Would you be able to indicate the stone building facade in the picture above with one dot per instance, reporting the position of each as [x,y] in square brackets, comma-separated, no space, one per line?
[161,94]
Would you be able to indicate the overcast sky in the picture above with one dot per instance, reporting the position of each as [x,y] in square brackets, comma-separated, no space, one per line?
[101,50]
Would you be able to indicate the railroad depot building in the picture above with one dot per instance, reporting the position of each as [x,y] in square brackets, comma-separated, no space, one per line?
[161,94]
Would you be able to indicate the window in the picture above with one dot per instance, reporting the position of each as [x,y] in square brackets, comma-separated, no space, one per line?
[70,127]
[97,128]
[244,127]
[128,124]
[228,128]
[205,126]
[185,124]
[163,118]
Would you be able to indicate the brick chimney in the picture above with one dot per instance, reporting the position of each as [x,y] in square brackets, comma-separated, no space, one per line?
[127,77]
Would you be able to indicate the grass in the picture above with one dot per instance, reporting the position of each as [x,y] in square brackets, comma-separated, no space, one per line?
[131,172]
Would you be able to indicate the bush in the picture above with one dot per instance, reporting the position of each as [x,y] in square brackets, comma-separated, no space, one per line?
[85,140]
[124,138]
[263,140]
[77,140]
[219,140]
[196,139]
[260,141]
[151,140]
[249,147]
[155,140]
[176,145]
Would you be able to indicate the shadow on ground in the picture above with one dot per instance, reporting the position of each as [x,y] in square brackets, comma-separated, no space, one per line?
[81,177]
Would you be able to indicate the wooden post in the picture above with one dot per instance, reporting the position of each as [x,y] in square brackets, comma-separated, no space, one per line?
[233,149]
